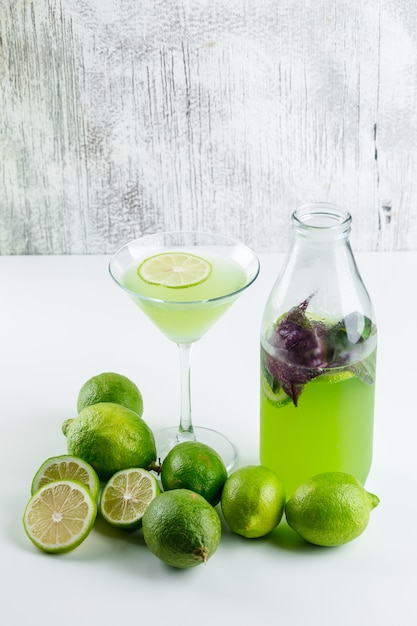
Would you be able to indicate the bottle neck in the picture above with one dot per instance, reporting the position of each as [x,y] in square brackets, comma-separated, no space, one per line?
[321,222]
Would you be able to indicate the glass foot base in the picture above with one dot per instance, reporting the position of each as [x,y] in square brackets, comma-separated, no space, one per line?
[167,438]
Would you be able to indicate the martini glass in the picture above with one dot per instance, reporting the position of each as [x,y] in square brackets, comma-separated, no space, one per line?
[185,281]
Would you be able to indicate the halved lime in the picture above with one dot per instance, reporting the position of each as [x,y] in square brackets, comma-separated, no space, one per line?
[59,516]
[66,467]
[278,397]
[126,497]
[174,269]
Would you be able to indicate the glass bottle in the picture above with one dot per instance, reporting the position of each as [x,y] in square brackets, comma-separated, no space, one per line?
[318,355]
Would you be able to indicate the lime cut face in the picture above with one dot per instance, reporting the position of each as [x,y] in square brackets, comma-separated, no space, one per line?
[59,516]
[174,269]
[66,467]
[126,497]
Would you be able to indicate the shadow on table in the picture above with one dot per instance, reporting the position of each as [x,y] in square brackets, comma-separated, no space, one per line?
[136,555]
[286,538]
[282,537]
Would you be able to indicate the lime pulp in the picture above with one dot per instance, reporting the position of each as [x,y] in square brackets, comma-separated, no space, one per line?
[174,269]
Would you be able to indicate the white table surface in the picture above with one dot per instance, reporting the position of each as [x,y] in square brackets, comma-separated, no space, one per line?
[64,320]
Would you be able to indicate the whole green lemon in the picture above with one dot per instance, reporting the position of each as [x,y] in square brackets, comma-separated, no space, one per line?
[181,528]
[253,501]
[110,387]
[110,437]
[194,465]
[330,509]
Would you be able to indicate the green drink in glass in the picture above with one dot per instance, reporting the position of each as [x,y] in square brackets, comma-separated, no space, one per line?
[183,282]
[184,314]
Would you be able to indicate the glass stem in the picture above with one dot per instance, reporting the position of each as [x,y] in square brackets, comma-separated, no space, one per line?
[185,430]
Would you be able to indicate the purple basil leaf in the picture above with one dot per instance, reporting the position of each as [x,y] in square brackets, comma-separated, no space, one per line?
[290,377]
[300,345]
[300,341]
[304,347]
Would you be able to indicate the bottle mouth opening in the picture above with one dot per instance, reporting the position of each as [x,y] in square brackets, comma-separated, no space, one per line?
[322,217]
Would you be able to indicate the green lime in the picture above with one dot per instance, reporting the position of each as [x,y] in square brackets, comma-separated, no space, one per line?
[110,387]
[181,528]
[330,509]
[66,467]
[59,516]
[195,466]
[174,269]
[126,497]
[253,501]
[110,438]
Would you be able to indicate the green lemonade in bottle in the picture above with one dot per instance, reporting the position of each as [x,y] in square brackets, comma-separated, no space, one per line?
[318,356]
[329,429]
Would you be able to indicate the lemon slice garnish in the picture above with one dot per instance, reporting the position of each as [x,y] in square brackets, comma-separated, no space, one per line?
[174,269]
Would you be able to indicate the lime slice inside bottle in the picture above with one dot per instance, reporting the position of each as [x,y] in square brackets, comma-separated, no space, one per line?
[335,376]
[59,516]
[126,497]
[277,397]
[174,269]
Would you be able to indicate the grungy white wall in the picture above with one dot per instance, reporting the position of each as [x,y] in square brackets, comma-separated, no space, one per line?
[125,117]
